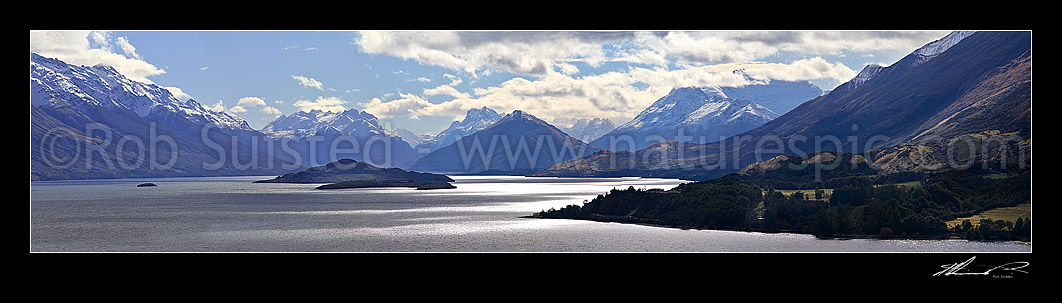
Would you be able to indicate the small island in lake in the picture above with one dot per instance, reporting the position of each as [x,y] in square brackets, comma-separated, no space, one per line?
[347,173]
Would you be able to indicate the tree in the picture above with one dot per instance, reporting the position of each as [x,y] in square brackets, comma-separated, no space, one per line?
[885,233]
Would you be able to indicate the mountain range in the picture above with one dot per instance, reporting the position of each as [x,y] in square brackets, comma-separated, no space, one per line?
[320,137]
[708,114]
[90,122]
[688,114]
[963,85]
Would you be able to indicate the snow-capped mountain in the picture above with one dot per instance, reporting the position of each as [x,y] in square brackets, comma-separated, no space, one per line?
[303,124]
[72,107]
[410,137]
[321,137]
[475,120]
[777,95]
[978,84]
[690,114]
[52,80]
[365,128]
[517,143]
[589,129]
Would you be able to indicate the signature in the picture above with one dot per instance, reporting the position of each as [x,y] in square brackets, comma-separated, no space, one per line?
[960,269]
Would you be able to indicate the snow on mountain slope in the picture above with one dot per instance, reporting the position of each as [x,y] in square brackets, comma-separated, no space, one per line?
[518,141]
[931,50]
[303,124]
[52,80]
[690,113]
[589,129]
[475,120]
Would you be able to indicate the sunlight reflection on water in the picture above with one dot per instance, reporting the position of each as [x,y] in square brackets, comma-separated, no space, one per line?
[481,214]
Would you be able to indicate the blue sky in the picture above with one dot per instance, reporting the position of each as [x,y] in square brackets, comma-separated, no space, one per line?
[423,80]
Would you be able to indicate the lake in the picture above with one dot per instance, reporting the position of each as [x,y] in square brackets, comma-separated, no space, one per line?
[226,214]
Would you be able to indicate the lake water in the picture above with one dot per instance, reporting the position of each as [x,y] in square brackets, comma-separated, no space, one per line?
[480,215]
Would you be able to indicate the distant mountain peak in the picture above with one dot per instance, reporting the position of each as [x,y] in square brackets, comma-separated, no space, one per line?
[526,143]
[519,114]
[589,129]
[692,113]
[522,116]
[475,120]
[308,123]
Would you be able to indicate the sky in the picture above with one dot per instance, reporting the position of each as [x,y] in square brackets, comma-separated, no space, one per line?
[423,80]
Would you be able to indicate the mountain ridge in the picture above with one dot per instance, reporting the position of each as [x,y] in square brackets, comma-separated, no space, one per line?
[691,114]
[94,123]
[475,120]
[517,142]
[895,105]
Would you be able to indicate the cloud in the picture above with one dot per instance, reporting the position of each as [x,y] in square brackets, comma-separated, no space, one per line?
[454,80]
[445,90]
[251,101]
[526,53]
[178,93]
[92,48]
[127,48]
[332,104]
[244,104]
[308,82]
[271,110]
[218,107]
[542,53]
[618,95]
[297,47]
[804,69]
[407,105]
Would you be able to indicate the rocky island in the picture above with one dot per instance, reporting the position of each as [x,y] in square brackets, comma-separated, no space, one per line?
[347,173]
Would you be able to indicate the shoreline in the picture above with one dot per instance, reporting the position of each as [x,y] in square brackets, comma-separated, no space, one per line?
[840,238]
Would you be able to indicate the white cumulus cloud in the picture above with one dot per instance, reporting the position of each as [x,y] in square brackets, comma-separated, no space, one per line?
[406,105]
[615,95]
[331,104]
[127,48]
[525,52]
[218,107]
[92,48]
[541,53]
[445,89]
[244,104]
[178,93]
[308,82]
